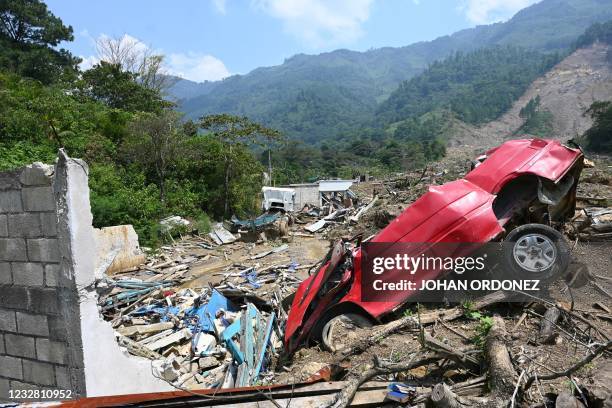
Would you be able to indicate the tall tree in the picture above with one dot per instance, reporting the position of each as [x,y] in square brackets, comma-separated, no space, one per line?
[29,35]
[135,57]
[117,88]
[235,131]
[156,141]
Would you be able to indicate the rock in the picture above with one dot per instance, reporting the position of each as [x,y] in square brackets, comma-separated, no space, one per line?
[208,362]
[169,369]
[311,368]
[599,392]
[567,400]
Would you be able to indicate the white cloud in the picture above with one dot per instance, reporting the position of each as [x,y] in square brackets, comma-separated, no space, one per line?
[88,62]
[197,67]
[489,11]
[219,5]
[191,65]
[319,23]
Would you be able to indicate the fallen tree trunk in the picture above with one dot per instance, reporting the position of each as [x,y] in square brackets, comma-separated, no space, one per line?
[443,397]
[344,398]
[451,352]
[501,371]
[411,322]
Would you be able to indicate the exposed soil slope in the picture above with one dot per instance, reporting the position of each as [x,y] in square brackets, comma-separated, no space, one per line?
[566,91]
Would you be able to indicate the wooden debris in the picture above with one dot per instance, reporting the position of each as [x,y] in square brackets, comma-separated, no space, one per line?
[547,333]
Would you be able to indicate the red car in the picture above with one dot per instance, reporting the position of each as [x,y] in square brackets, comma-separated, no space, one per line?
[517,192]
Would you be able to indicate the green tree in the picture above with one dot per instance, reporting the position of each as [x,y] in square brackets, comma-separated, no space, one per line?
[599,136]
[233,134]
[116,88]
[29,35]
[156,141]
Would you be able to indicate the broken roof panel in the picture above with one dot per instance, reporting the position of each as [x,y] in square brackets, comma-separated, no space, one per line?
[334,185]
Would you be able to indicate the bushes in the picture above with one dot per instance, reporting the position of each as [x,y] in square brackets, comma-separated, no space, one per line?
[599,136]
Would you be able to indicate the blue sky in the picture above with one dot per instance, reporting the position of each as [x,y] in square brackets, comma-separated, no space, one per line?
[211,39]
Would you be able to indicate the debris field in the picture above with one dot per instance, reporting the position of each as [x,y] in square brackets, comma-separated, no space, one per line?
[209,311]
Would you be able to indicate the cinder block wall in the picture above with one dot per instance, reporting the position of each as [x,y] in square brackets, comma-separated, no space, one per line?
[39,326]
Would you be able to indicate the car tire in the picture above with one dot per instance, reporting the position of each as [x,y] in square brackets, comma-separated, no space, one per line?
[351,320]
[536,251]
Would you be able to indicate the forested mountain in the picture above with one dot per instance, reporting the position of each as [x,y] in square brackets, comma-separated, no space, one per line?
[316,97]
[477,87]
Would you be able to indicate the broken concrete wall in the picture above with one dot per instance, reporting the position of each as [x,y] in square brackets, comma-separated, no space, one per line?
[40,343]
[118,250]
[51,334]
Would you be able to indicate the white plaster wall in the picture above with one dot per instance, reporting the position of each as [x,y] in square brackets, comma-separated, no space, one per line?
[108,371]
[306,194]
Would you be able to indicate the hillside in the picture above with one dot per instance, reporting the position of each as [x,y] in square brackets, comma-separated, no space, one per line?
[477,86]
[314,97]
[566,91]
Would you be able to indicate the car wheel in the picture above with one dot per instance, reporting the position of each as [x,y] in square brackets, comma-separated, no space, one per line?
[334,332]
[536,251]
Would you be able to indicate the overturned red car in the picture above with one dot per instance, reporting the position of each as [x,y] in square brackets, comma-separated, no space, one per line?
[518,192]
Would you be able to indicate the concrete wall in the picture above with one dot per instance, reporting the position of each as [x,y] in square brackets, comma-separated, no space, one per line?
[51,334]
[39,343]
[118,250]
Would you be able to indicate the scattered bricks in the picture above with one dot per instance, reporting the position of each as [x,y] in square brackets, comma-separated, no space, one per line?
[38,373]
[38,199]
[43,301]
[37,174]
[25,225]
[20,346]
[43,250]
[5,274]
[10,201]
[48,222]
[51,351]
[28,274]
[12,249]
[62,378]
[11,367]
[52,275]
[7,320]
[32,324]
[3,225]
[14,297]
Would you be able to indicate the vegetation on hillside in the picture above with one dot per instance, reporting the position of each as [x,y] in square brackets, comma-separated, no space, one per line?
[145,161]
[538,121]
[316,98]
[598,32]
[599,136]
[601,32]
[477,87]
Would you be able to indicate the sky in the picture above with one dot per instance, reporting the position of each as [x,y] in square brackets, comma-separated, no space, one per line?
[212,39]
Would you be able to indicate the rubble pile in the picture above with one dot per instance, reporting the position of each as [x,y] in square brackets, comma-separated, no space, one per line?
[210,311]
[225,334]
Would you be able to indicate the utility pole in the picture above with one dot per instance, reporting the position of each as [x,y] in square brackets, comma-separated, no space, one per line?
[270,166]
